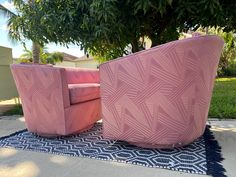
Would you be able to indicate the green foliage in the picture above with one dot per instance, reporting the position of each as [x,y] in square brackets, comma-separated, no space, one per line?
[16,110]
[227,65]
[13,21]
[106,28]
[223,103]
[26,57]
[53,58]
[45,57]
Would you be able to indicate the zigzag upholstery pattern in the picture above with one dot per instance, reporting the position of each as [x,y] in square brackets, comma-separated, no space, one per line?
[46,103]
[160,97]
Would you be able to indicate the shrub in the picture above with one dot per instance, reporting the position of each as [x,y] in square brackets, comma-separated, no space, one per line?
[227,65]
[16,110]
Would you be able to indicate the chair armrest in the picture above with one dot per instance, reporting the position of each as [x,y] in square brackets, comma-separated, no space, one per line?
[82,75]
[45,84]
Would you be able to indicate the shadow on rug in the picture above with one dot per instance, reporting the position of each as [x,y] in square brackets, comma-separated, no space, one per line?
[202,156]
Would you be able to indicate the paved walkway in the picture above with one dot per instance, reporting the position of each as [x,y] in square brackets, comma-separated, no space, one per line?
[17,163]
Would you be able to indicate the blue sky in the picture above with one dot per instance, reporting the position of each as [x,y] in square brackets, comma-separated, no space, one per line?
[17,49]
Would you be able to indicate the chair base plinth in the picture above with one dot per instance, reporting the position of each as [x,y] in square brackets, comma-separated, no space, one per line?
[48,135]
[158,146]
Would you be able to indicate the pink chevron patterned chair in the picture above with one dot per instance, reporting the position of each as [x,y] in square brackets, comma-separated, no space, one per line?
[160,97]
[58,101]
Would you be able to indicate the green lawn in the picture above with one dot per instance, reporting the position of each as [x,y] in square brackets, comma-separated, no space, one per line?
[223,103]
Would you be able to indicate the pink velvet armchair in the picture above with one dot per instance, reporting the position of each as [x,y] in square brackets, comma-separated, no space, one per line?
[159,98]
[58,101]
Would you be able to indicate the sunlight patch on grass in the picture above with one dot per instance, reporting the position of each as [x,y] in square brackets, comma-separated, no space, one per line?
[226,79]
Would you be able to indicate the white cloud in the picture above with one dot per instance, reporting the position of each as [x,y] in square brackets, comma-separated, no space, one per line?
[17,52]
[9,5]
[4,27]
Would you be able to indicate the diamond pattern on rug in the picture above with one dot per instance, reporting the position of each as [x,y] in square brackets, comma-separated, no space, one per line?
[191,159]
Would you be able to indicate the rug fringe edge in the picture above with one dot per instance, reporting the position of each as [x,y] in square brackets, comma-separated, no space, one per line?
[13,134]
[213,155]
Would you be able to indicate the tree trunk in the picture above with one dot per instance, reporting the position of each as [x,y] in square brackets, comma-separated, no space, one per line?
[135,47]
[207,31]
[154,38]
[154,42]
[36,52]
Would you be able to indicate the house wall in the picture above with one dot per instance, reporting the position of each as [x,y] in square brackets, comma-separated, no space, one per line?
[66,64]
[87,64]
[80,64]
[7,84]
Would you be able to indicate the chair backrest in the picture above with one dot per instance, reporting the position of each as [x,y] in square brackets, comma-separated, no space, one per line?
[82,75]
[170,84]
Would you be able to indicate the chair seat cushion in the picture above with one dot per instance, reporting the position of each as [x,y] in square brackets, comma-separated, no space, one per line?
[83,92]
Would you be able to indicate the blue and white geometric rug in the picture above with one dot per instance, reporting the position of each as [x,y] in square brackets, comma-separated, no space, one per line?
[202,156]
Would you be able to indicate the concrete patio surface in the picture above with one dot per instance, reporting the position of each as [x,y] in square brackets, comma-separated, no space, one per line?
[18,163]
